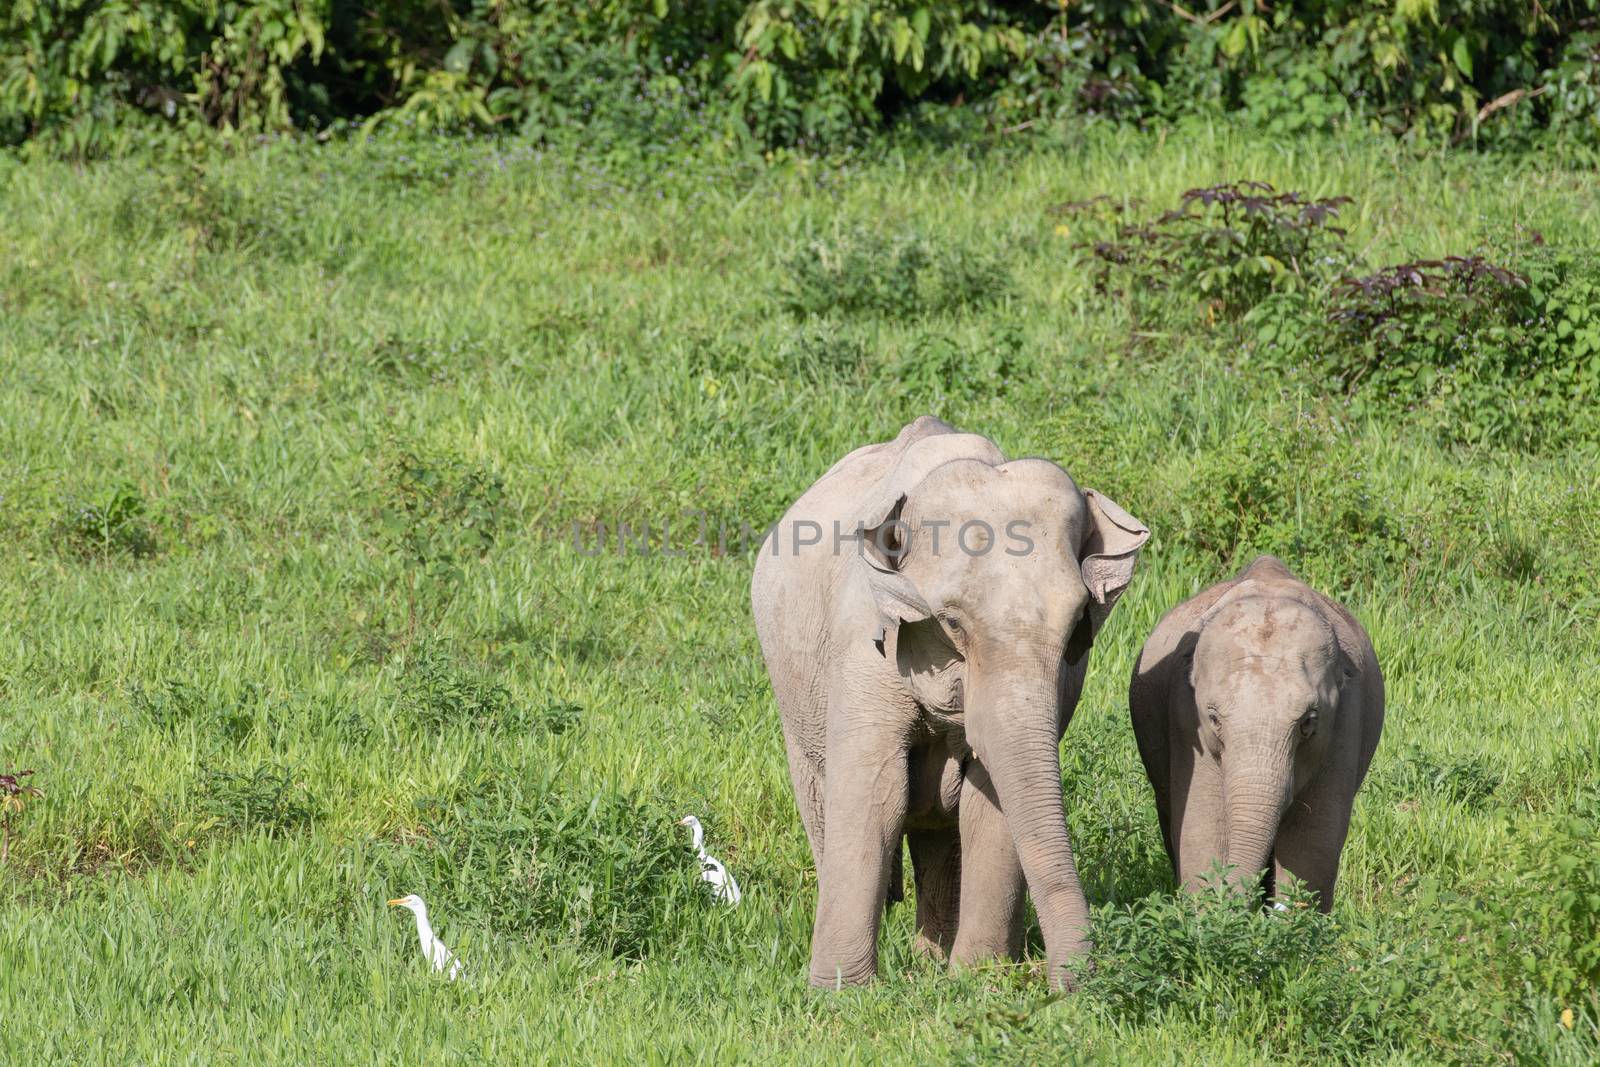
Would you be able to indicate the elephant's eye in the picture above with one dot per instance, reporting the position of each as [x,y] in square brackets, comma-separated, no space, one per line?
[1308,722]
[1213,718]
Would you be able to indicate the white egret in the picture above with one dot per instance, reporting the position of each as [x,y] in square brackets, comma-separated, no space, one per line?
[712,872]
[433,949]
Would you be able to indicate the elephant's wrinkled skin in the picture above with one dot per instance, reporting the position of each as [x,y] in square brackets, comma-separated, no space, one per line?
[924,674]
[1257,706]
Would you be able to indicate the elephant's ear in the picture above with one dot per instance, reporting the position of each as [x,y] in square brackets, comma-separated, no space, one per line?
[884,537]
[883,548]
[1110,550]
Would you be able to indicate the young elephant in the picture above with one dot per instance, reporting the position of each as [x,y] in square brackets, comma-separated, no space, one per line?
[1257,706]
[926,611]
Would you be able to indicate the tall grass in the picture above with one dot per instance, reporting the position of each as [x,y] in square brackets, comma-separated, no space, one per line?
[292,451]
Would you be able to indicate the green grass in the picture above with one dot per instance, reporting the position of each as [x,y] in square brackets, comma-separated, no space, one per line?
[291,622]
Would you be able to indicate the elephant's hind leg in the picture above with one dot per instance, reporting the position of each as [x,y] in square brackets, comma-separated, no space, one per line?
[936,864]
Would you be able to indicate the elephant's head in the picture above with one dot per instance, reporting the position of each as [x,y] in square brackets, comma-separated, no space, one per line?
[1267,674]
[996,578]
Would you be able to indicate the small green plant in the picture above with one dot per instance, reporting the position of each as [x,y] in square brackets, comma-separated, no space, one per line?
[437,514]
[1421,777]
[114,524]
[14,797]
[439,691]
[264,798]
[820,349]
[1556,943]
[438,510]
[858,272]
[937,365]
[176,703]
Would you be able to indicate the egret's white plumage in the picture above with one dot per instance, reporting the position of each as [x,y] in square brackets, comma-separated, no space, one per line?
[712,872]
[433,950]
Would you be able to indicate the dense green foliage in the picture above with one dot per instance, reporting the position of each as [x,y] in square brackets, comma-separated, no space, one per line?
[89,76]
[296,442]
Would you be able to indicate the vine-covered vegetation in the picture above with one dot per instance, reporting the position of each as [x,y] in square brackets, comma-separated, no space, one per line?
[91,76]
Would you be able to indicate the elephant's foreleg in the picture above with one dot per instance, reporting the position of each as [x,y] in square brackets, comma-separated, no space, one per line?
[1199,817]
[991,876]
[1311,837]
[865,812]
[936,863]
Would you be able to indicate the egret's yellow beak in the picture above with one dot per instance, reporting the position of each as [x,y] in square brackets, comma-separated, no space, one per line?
[397,903]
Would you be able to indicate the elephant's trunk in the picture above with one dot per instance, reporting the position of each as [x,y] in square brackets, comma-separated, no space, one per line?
[1257,785]
[1013,728]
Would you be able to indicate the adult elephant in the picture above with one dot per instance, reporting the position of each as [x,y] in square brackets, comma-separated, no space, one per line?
[926,612]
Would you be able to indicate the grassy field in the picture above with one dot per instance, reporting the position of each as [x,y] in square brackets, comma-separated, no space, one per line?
[292,446]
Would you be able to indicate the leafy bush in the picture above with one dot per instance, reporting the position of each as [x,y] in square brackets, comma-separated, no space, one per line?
[177,703]
[438,511]
[608,872]
[439,692]
[1503,972]
[1292,485]
[1554,945]
[14,798]
[936,365]
[85,73]
[820,69]
[1230,245]
[905,275]
[86,78]
[1417,775]
[819,348]
[1213,956]
[1479,352]
[265,798]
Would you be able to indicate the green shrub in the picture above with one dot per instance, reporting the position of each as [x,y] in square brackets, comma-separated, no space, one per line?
[438,692]
[936,366]
[436,511]
[1419,776]
[177,703]
[1293,485]
[904,275]
[1478,352]
[264,798]
[608,872]
[88,74]
[1215,960]
[636,75]
[1554,945]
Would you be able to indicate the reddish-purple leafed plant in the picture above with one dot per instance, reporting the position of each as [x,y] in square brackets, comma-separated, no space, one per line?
[14,796]
[1229,245]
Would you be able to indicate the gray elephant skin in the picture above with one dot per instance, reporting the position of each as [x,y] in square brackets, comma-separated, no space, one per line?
[1257,706]
[924,672]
